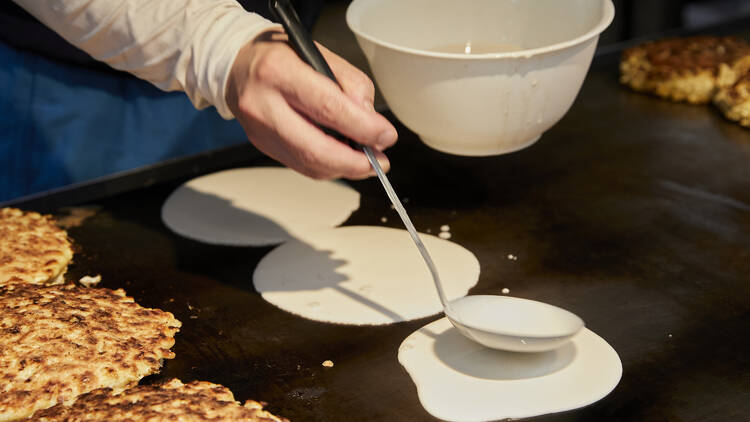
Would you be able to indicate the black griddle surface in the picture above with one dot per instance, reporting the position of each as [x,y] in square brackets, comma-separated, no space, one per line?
[632,212]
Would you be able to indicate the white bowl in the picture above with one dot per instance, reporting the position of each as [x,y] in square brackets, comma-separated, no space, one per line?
[493,100]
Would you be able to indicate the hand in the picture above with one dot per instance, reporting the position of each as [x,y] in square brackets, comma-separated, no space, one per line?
[278,99]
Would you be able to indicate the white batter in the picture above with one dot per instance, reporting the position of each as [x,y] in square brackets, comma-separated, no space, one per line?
[460,380]
[256,206]
[363,275]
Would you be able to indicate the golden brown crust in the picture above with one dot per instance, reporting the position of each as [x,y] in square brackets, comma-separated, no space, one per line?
[681,69]
[57,342]
[33,248]
[733,96]
[195,401]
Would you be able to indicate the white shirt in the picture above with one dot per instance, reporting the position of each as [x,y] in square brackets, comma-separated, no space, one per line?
[187,45]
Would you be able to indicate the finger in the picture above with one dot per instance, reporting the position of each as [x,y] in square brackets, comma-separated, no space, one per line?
[328,157]
[324,102]
[355,83]
[316,154]
[260,122]
[384,162]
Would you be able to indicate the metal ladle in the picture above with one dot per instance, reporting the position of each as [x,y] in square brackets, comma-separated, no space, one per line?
[498,322]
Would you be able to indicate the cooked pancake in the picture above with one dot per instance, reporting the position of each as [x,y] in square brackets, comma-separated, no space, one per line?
[33,248]
[733,96]
[57,342]
[681,69]
[195,401]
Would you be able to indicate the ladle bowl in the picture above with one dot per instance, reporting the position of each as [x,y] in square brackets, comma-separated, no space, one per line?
[511,323]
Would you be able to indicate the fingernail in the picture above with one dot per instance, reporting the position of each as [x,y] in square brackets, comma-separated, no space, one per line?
[384,164]
[387,137]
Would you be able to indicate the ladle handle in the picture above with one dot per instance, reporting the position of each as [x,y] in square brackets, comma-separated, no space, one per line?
[303,44]
[299,37]
[305,47]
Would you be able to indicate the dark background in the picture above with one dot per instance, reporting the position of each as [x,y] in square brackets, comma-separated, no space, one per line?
[633,19]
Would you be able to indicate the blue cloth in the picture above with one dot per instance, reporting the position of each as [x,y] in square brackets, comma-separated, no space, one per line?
[61,124]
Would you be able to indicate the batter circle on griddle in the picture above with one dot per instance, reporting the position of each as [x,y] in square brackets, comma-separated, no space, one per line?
[363,275]
[256,206]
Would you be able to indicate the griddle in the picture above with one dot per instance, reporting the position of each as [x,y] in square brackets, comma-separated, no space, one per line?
[632,212]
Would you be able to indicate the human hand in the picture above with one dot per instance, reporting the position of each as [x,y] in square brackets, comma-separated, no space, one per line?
[279,100]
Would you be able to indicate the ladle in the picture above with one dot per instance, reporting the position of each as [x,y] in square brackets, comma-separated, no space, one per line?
[498,322]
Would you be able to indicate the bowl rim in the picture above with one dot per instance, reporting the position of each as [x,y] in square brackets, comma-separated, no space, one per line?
[608,14]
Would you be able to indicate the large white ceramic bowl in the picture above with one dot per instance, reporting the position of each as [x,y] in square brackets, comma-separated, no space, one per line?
[526,64]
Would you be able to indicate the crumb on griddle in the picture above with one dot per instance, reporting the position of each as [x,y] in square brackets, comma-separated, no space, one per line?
[90,281]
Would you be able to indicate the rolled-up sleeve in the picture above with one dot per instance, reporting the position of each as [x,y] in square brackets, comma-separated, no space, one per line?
[187,45]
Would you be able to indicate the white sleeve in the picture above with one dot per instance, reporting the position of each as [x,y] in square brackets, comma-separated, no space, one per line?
[187,45]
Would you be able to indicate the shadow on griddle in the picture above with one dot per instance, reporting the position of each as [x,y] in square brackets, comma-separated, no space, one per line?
[464,356]
[212,219]
[314,270]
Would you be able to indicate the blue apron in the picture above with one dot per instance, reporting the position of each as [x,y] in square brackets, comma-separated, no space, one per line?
[65,118]
[62,124]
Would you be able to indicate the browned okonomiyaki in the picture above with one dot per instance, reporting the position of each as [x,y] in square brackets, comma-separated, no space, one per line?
[196,401]
[32,248]
[57,342]
[733,96]
[686,69]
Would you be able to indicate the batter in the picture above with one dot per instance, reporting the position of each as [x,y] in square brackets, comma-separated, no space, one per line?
[363,275]
[256,206]
[460,380]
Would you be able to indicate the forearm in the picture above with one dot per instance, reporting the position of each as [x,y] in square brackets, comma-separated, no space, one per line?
[187,45]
